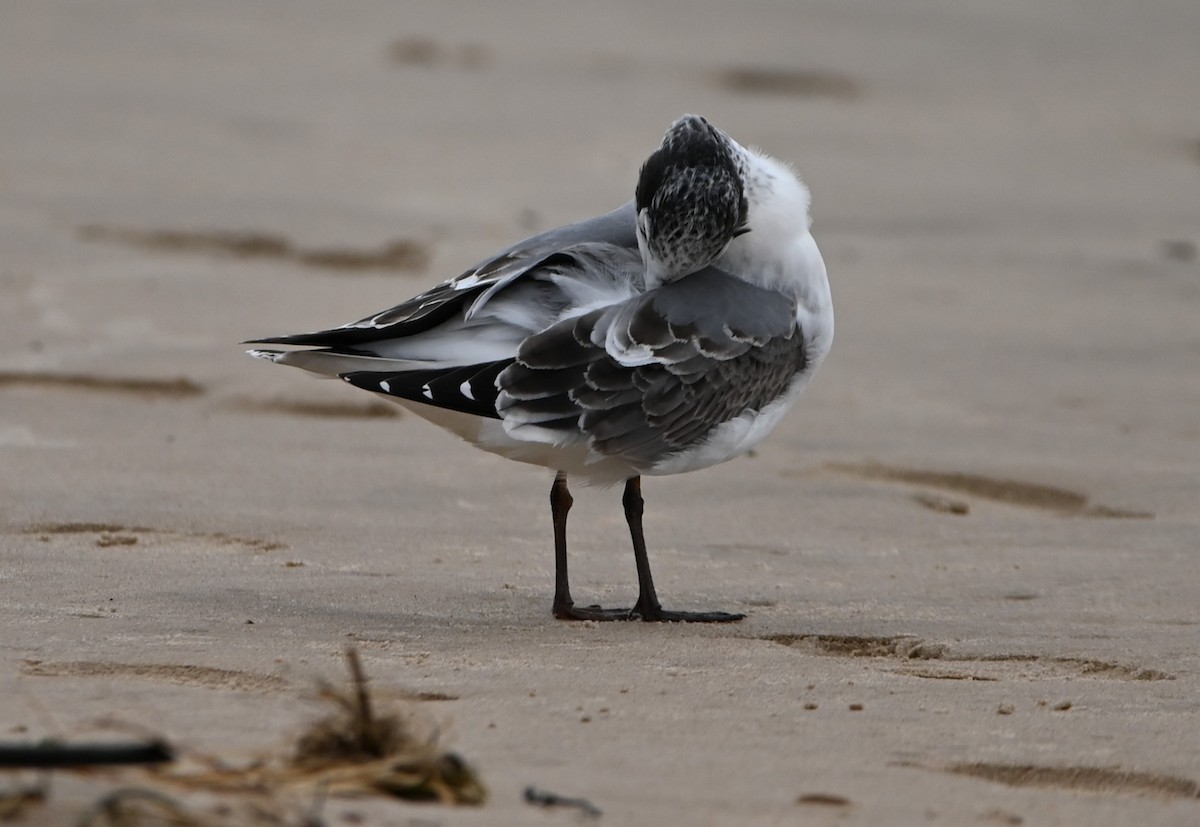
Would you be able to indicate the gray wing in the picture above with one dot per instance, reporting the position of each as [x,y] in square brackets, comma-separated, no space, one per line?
[473,288]
[656,374]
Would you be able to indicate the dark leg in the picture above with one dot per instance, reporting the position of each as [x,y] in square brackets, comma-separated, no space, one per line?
[564,606]
[560,504]
[647,606]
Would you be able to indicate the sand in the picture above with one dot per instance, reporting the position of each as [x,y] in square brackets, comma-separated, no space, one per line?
[970,558]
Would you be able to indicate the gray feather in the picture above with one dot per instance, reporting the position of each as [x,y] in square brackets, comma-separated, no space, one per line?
[718,347]
[467,292]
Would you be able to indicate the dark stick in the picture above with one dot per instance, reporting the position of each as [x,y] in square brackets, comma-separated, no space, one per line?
[547,799]
[368,737]
[51,755]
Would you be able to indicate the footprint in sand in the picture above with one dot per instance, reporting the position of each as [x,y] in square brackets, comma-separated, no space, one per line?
[936,661]
[1090,779]
[107,535]
[184,674]
[1010,492]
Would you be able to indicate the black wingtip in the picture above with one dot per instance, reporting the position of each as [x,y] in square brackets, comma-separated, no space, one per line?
[315,339]
[440,388]
[335,338]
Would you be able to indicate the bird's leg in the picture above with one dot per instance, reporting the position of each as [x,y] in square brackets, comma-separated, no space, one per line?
[647,607]
[560,503]
[564,607]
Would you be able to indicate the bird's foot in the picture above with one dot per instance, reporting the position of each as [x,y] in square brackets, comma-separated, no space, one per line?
[648,609]
[572,612]
[664,616]
[651,614]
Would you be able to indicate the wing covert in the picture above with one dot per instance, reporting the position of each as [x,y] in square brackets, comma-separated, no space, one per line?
[655,374]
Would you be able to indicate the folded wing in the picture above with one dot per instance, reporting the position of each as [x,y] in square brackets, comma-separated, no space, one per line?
[465,295]
[654,375]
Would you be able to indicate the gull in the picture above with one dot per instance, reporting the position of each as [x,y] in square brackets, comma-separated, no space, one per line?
[666,336]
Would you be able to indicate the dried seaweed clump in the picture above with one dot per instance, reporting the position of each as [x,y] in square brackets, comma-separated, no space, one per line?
[354,750]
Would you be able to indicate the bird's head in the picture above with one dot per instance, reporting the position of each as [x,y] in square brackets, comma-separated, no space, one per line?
[690,200]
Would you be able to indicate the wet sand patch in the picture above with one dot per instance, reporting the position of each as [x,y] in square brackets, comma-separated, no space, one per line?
[951,675]
[942,505]
[425,52]
[430,696]
[823,800]
[402,254]
[1091,779]
[85,528]
[321,410]
[856,646]
[106,535]
[801,83]
[184,674]
[1007,491]
[176,388]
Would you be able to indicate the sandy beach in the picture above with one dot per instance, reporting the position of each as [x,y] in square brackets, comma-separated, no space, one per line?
[970,557]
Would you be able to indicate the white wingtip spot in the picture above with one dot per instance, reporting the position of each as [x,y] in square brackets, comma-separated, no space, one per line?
[385,387]
[465,390]
[426,392]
